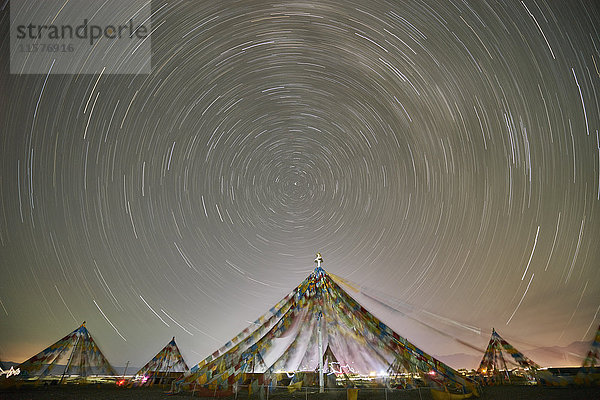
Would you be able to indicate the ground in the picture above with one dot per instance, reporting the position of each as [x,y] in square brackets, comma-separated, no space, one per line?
[110,392]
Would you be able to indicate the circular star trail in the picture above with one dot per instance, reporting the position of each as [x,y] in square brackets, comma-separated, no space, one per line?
[443,153]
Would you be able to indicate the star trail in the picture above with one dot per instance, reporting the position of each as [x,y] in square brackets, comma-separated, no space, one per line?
[444,153]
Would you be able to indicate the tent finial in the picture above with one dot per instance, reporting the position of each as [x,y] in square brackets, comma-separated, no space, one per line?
[319,260]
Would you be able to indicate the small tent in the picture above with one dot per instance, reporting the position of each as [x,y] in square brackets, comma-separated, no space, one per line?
[74,354]
[166,363]
[494,362]
[593,356]
[589,373]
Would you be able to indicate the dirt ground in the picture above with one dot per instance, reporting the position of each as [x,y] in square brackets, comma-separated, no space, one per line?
[110,392]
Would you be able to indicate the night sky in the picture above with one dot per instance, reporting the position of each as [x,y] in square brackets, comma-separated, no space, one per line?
[443,154]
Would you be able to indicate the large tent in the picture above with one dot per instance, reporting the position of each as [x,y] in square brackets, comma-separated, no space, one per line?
[74,354]
[167,361]
[318,320]
[494,362]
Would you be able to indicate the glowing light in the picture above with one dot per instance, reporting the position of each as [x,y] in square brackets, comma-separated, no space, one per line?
[10,372]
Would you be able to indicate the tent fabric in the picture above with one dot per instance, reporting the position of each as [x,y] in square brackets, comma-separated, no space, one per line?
[286,339]
[169,359]
[77,351]
[589,373]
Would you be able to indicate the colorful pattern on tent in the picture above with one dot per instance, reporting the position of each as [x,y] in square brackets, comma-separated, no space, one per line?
[591,359]
[169,359]
[589,373]
[286,337]
[493,360]
[77,351]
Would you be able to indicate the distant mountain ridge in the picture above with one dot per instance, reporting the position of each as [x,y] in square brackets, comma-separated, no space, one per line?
[571,355]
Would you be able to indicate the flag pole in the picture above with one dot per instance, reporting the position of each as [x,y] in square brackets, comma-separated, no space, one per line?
[71,355]
[319,260]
